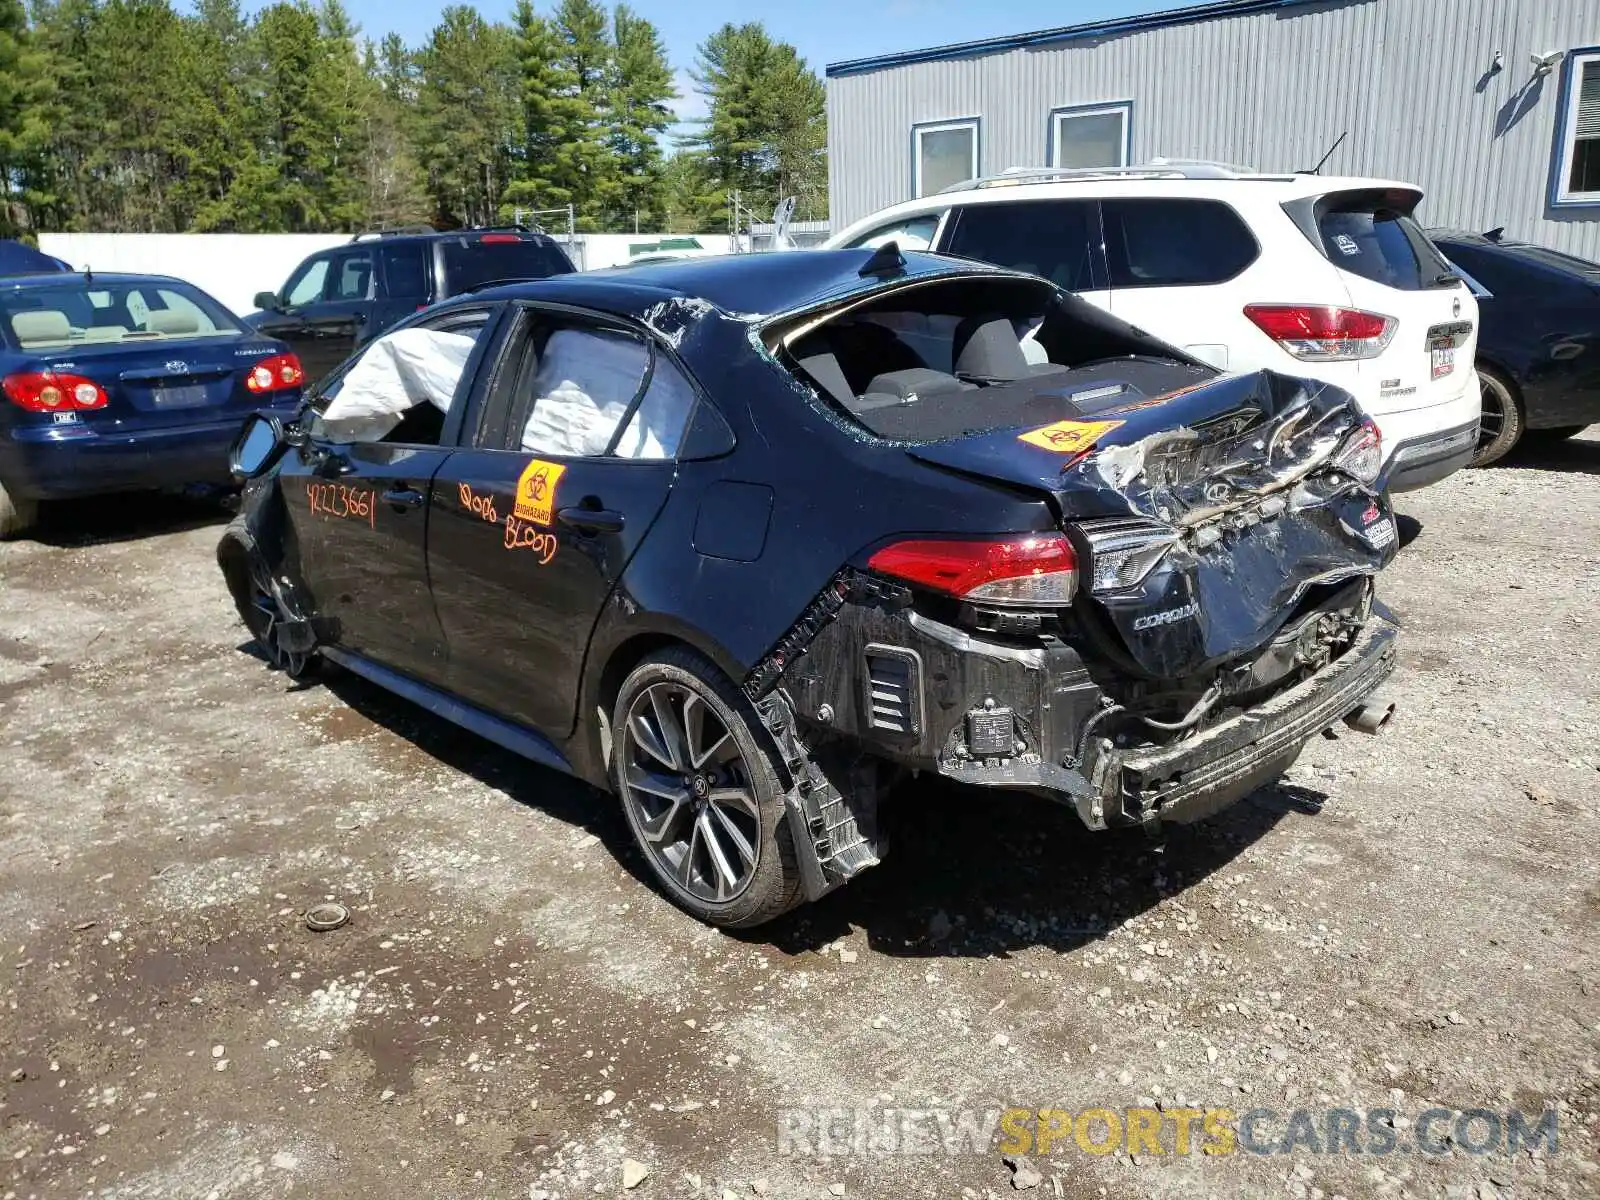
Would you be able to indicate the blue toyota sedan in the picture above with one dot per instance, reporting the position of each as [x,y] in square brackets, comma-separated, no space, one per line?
[119,383]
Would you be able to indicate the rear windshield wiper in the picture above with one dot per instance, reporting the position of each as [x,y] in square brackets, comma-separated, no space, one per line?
[1444,279]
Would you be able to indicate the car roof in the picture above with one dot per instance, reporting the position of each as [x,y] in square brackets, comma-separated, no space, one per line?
[741,285]
[1020,185]
[46,278]
[391,236]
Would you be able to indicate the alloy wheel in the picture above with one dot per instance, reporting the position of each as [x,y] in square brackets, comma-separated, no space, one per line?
[265,615]
[688,790]
[1492,421]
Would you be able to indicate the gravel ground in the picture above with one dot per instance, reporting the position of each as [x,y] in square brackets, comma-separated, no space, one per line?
[1407,922]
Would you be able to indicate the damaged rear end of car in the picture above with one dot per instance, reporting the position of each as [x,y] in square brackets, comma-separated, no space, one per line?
[1196,601]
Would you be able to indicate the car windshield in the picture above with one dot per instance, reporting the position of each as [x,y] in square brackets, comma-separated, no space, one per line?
[83,310]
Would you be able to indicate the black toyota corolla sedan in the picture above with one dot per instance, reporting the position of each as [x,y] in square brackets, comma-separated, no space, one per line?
[745,540]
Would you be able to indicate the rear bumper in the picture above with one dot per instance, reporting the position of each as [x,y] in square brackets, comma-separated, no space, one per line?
[1428,458]
[1423,445]
[902,687]
[56,462]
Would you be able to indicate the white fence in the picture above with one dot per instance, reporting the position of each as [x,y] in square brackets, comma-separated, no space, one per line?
[233,267]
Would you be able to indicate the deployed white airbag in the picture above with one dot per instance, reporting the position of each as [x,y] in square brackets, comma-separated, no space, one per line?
[583,386]
[398,371]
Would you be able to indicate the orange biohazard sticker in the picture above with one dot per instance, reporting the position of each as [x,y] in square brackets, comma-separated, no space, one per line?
[536,491]
[1068,437]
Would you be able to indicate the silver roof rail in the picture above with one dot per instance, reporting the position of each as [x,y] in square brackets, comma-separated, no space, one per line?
[1156,168]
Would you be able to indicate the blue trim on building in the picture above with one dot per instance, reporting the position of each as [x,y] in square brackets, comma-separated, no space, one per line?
[1065,33]
[948,123]
[1105,106]
[1563,136]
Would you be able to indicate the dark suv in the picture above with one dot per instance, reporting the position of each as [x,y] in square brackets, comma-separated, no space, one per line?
[337,300]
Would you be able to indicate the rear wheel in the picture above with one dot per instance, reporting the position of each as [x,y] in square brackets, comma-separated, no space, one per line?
[1500,426]
[16,514]
[700,791]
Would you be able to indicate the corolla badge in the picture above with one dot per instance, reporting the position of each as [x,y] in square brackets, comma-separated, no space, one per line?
[1170,617]
[177,365]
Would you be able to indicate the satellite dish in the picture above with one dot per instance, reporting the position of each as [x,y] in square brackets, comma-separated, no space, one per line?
[781,216]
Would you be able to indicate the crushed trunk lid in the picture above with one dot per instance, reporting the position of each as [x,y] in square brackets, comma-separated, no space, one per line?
[1204,520]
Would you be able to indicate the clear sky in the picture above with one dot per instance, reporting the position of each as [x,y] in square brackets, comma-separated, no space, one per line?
[824,31]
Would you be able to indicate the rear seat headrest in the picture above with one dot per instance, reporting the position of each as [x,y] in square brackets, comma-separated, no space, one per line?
[41,325]
[171,320]
[987,348]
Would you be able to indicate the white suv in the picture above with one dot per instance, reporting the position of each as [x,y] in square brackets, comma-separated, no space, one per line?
[1304,274]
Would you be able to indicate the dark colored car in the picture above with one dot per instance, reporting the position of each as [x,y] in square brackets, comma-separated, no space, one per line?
[338,300]
[1538,338]
[121,382]
[747,539]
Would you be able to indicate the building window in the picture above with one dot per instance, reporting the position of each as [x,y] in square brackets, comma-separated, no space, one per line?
[1577,169]
[943,153]
[1091,135]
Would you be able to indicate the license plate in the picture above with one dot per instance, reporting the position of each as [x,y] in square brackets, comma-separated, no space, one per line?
[188,395]
[1442,352]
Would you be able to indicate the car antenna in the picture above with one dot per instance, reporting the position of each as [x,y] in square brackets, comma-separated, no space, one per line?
[886,260]
[1317,170]
[88,275]
[1494,235]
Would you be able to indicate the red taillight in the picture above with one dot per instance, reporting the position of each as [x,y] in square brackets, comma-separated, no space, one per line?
[1025,569]
[53,391]
[499,237]
[275,373]
[1323,333]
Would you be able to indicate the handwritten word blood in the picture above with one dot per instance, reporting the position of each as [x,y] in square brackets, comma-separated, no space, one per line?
[337,500]
[483,506]
[523,535]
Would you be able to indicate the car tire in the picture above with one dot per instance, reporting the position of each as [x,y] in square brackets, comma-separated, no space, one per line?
[16,514]
[697,775]
[1501,422]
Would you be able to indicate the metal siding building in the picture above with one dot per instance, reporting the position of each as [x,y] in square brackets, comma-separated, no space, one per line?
[1265,83]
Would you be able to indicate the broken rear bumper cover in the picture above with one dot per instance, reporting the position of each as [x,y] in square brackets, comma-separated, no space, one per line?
[867,677]
[1192,779]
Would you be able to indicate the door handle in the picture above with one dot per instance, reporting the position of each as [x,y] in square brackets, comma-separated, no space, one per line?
[403,498]
[594,520]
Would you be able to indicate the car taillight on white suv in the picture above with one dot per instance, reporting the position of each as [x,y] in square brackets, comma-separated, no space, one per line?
[1323,333]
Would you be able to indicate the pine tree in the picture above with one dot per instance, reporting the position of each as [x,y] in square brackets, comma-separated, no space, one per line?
[583,60]
[639,88]
[25,92]
[396,190]
[467,114]
[765,132]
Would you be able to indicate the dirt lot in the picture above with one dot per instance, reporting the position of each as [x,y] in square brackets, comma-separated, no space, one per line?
[1410,921]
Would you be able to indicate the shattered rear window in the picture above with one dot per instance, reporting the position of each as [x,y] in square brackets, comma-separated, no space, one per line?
[937,360]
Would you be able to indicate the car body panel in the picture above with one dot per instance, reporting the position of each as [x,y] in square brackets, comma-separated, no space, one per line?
[1540,324]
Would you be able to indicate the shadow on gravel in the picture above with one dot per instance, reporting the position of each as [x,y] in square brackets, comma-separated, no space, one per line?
[1008,871]
[100,520]
[1572,456]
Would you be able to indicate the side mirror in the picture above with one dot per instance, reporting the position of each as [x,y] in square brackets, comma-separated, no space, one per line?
[258,444]
[267,300]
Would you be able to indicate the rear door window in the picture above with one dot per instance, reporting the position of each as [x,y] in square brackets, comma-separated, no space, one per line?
[1053,238]
[405,271]
[1159,242]
[1382,245]
[471,262]
[351,277]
